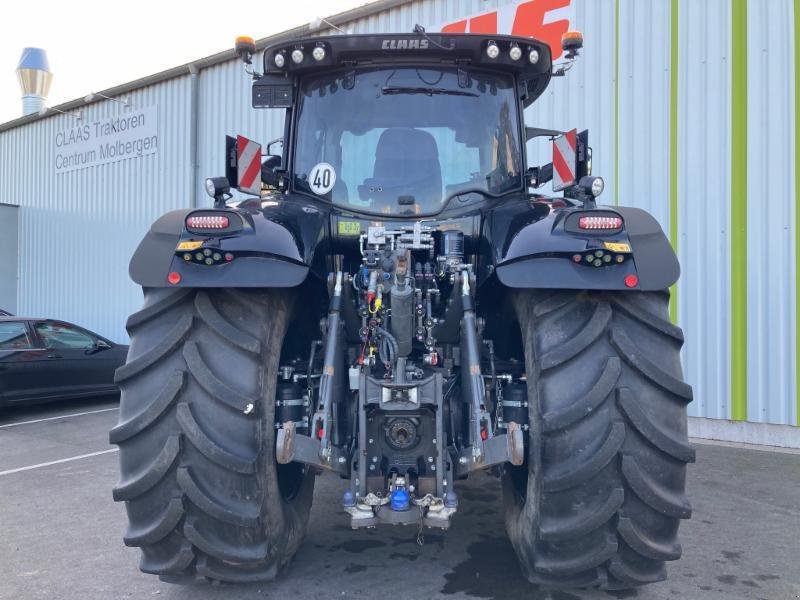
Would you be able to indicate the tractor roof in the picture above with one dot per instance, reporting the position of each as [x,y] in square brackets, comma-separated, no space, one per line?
[532,63]
[412,48]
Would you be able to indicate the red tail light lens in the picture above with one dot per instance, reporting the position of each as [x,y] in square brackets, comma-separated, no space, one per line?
[207,222]
[600,222]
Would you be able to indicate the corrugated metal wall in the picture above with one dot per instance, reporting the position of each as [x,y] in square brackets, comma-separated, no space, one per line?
[9,250]
[620,90]
[78,229]
[771,254]
[704,202]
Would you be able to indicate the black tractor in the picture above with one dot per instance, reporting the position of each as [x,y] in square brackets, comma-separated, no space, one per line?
[395,303]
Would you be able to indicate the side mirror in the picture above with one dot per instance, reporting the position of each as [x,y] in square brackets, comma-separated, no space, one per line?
[269,171]
[98,346]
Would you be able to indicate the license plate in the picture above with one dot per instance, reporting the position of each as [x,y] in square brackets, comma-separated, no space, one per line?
[349,228]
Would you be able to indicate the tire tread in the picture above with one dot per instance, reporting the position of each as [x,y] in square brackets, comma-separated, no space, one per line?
[155,472]
[203,499]
[606,514]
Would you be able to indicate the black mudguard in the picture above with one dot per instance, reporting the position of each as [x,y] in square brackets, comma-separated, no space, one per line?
[276,247]
[532,247]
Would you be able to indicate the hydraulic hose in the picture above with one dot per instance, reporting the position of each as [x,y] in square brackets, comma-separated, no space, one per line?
[391,344]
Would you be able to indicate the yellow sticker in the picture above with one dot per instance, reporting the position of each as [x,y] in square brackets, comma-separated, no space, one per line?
[617,246]
[349,228]
[189,245]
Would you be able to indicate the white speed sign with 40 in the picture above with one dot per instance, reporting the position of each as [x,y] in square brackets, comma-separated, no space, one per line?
[322,178]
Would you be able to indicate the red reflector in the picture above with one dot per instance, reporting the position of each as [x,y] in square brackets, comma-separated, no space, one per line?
[207,222]
[631,281]
[174,278]
[228,256]
[600,222]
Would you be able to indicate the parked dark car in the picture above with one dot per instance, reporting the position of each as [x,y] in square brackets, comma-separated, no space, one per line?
[45,359]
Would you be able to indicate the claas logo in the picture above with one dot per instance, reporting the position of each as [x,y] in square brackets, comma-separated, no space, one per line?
[534,18]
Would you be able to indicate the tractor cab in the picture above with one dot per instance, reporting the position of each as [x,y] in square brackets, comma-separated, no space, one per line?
[403,126]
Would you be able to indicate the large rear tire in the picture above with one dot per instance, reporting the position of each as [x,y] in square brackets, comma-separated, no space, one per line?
[599,500]
[203,492]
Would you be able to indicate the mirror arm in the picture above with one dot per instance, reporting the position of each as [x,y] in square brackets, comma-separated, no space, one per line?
[534,132]
[538,176]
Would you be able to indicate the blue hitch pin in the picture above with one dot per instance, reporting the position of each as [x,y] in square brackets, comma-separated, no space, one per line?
[400,499]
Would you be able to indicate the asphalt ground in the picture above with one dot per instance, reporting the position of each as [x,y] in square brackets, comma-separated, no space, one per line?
[61,534]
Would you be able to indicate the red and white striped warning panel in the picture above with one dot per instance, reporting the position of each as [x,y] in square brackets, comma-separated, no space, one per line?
[565,160]
[248,165]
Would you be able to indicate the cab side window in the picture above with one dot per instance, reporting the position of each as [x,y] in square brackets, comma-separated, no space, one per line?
[59,335]
[14,336]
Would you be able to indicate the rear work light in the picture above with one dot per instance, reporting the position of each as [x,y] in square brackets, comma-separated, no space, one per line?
[600,222]
[207,222]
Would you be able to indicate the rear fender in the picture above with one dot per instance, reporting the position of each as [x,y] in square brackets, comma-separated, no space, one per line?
[537,246]
[276,246]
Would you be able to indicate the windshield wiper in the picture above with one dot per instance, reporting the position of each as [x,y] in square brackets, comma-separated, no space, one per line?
[430,91]
[477,190]
[404,200]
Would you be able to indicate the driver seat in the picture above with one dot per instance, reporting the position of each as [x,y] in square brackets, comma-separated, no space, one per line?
[406,164]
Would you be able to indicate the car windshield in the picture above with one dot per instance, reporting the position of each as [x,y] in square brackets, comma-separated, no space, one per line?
[401,141]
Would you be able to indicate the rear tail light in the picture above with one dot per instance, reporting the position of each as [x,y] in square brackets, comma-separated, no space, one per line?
[207,222]
[600,222]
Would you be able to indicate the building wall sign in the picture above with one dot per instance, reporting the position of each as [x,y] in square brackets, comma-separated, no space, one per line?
[129,135]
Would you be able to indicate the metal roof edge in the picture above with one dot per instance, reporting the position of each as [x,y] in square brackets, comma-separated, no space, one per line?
[195,66]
